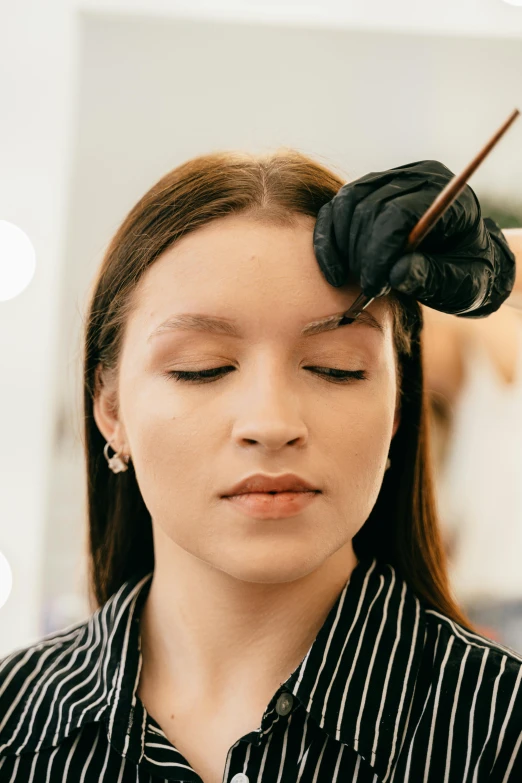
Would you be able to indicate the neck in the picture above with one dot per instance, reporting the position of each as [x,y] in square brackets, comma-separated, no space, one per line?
[204,632]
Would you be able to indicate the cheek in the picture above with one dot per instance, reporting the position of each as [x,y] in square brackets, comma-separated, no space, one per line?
[363,435]
[168,447]
[357,439]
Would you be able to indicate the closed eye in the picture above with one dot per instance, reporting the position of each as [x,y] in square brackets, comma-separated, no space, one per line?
[207,376]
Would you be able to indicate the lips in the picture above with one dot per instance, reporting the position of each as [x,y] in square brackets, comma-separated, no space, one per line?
[262,482]
[279,505]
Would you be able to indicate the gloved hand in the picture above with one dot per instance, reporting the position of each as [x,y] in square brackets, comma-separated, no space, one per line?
[463,266]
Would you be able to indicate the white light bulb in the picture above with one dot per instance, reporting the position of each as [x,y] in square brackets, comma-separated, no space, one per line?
[6,579]
[17,260]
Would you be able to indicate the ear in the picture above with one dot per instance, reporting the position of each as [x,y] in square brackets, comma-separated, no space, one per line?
[105,413]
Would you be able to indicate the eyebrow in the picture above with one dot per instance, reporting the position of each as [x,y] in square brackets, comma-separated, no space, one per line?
[198,322]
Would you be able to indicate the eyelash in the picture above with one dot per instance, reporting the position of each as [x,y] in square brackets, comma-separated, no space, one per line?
[205,376]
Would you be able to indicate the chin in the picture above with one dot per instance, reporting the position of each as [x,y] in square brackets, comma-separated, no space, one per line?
[272,568]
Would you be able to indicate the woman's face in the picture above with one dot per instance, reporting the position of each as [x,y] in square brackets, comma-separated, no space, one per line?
[271,412]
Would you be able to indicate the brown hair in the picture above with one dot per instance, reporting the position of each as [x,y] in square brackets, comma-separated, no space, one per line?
[402,528]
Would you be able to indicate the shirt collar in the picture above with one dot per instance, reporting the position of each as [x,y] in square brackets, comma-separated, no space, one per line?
[48,699]
[356,680]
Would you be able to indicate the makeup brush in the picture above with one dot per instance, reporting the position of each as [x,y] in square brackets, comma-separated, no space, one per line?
[442,202]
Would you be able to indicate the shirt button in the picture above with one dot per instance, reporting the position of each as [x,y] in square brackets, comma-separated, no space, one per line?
[240,778]
[284,704]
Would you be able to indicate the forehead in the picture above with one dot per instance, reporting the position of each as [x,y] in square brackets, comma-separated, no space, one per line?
[244,247]
[259,274]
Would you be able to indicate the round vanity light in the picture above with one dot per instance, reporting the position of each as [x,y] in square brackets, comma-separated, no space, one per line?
[6,579]
[17,260]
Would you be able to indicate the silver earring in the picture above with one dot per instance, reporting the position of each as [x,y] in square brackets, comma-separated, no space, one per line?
[117,463]
[388,463]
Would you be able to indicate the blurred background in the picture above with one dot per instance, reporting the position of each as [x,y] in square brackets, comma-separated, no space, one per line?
[100,99]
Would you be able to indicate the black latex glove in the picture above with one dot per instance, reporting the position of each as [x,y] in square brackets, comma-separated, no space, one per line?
[463,266]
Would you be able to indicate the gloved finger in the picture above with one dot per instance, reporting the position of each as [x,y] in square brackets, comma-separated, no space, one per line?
[337,230]
[382,244]
[412,274]
[453,285]
[329,257]
[354,206]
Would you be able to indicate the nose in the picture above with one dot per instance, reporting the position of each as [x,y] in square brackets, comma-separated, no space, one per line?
[271,434]
[270,418]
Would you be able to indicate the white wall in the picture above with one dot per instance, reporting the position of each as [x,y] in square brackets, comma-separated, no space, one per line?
[449,17]
[37,93]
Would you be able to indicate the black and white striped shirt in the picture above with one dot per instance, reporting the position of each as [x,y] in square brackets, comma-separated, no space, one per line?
[390,691]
